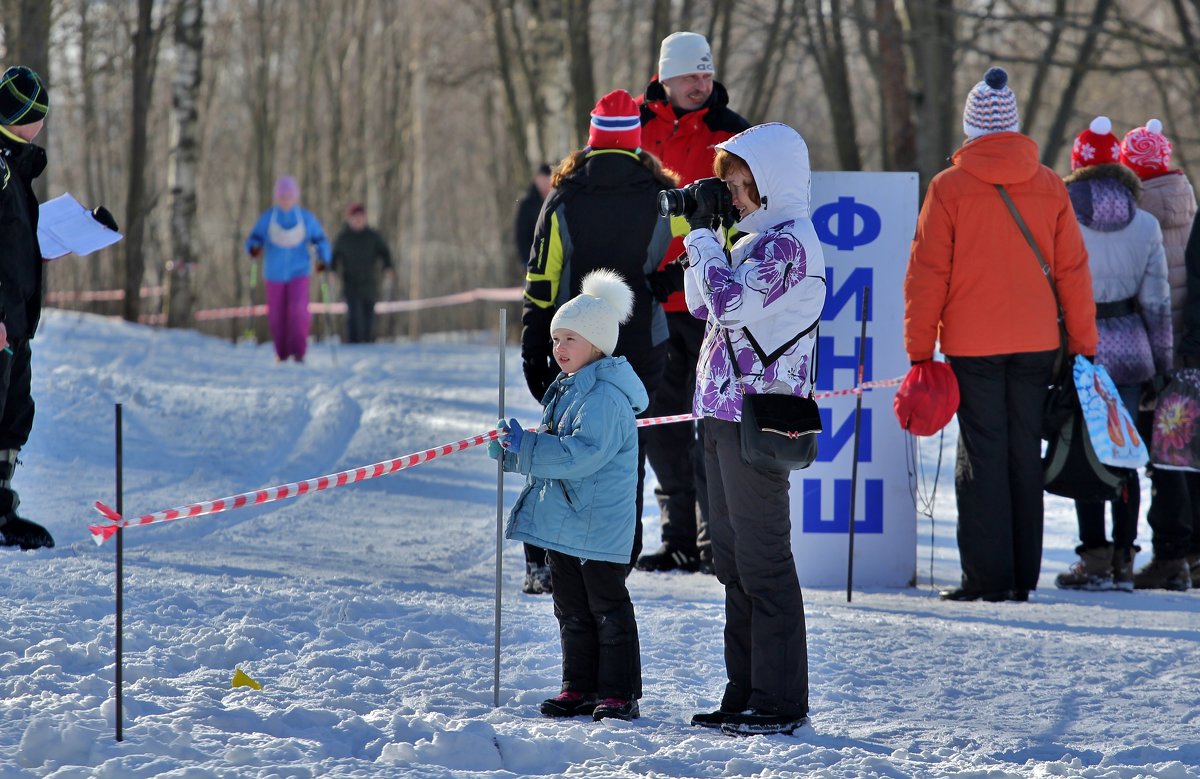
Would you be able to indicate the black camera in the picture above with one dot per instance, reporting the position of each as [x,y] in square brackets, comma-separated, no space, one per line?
[683,201]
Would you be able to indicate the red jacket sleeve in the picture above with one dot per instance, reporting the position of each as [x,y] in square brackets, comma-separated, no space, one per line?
[927,280]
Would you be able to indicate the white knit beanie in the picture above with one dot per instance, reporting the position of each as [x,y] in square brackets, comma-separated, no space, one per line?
[604,303]
[683,53]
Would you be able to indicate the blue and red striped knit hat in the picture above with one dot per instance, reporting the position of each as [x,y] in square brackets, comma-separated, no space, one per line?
[616,123]
[991,106]
[23,97]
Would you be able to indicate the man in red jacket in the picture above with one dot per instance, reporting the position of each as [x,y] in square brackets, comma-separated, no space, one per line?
[684,115]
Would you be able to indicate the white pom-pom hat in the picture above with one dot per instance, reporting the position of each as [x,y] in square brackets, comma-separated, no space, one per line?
[604,303]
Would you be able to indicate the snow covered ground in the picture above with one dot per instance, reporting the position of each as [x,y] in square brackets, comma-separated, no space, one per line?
[366,611]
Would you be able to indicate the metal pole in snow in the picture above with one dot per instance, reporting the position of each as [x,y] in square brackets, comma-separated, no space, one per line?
[503,339]
[862,351]
[119,622]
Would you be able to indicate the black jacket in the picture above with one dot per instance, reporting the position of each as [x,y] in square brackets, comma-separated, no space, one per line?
[525,224]
[20,254]
[602,215]
[360,255]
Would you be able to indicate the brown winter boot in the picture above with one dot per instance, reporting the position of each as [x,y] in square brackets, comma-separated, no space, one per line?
[1122,569]
[1093,570]
[1163,574]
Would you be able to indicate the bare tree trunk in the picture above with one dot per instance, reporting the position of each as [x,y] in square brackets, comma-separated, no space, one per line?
[516,134]
[900,133]
[135,203]
[1032,105]
[29,45]
[263,114]
[420,192]
[185,152]
[553,81]
[660,27]
[828,48]
[583,87]
[931,40]
[1056,136]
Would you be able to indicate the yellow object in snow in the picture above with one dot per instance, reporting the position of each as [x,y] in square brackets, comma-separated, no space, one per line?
[241,680]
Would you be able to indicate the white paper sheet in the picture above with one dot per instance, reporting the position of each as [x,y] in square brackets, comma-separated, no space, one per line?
[65,227]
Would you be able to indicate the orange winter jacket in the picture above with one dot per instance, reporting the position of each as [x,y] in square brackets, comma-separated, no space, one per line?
[973,283]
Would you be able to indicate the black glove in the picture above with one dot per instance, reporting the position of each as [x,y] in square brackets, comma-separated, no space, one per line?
[914,363]
[539,375]
[705,214]
[102,215]
[666,280]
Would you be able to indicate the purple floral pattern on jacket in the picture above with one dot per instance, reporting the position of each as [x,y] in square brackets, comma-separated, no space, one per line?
[764,287]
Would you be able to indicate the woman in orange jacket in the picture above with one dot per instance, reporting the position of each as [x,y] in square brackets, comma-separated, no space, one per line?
[975,285]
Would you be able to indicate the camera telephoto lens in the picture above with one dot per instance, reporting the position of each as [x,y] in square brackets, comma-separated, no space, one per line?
[675,202]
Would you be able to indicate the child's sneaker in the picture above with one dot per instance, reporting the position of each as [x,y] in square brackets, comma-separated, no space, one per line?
[616,708]
[569,704]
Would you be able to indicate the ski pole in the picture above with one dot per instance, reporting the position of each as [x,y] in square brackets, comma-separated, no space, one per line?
[328,317]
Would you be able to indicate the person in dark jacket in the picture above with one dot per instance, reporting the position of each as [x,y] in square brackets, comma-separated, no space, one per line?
[602,213]
[362,255]
[684,113]
[528,209]
[24,103]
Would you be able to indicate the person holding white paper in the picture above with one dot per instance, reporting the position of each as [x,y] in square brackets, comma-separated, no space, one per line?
[24,102]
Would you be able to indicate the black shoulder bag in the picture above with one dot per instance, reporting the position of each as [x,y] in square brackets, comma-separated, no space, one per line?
[778,432]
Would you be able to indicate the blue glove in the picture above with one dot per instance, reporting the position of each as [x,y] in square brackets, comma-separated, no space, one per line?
[512,434]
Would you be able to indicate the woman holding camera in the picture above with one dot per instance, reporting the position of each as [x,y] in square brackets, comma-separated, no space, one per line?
[758,302]
[601,213]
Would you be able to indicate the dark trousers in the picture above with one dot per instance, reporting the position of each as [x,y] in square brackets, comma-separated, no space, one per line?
[16,401]
[1174,513]
[673,449]
[1090,514]
[998,473]
[597,627]
[360,320]
[766,648]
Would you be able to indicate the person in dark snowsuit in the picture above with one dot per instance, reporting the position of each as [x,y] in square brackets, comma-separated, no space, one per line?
[602,213]
[24,103]
[528,208]
[360,254]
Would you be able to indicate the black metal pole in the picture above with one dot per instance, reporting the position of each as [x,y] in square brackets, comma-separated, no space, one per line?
[503,339]
[862,351]
[119,675]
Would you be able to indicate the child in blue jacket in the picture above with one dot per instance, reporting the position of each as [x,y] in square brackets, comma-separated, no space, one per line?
[579,500]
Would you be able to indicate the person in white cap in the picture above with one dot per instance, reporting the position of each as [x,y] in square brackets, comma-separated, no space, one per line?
[685,114]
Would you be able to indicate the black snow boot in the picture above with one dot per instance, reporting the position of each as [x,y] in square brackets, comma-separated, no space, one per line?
[15,531]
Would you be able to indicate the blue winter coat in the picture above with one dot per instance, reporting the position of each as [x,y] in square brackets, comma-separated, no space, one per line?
[581,467]
[297,228]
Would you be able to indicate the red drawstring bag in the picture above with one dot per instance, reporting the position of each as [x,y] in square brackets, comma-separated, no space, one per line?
[927,398]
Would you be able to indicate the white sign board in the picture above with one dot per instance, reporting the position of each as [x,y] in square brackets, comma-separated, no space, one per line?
[866,223]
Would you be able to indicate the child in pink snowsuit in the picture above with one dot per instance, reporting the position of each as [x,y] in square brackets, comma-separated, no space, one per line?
[282,235]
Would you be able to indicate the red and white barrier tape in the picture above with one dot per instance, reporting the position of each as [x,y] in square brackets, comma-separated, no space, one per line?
[101,533]
[497,294]
[93,295]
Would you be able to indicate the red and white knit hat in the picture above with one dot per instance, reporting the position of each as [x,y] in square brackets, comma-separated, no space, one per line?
[1096,145]
[1146,151]
[616,123]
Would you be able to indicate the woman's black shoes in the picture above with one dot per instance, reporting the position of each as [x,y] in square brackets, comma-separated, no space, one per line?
[988,595]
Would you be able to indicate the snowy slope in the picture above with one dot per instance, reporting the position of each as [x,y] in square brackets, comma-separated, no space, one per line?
[366,611]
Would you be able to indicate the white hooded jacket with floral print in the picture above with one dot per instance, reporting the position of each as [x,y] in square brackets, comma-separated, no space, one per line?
[773,283]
